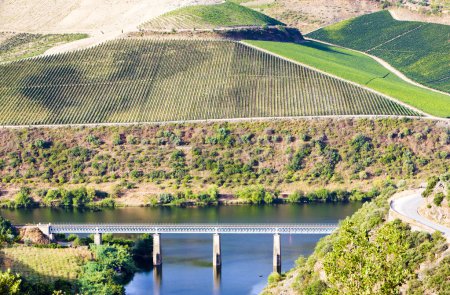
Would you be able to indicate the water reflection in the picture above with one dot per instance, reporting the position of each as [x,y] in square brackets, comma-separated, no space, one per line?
[217,277]
[157,279]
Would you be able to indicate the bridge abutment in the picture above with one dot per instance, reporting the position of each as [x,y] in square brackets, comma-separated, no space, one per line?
[97,238]
[277,253]
[217,255]
[157,254]
[45,229]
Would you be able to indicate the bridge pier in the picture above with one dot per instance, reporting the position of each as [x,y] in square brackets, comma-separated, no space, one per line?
[97,238]
[157,254]
[276,253]
[217,255]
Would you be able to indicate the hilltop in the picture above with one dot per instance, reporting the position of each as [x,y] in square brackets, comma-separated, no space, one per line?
[226,14]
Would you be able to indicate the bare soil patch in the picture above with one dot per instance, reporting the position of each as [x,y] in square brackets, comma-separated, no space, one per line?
[404,14]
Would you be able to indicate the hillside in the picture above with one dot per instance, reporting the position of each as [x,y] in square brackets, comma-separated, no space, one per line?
[94,17]
[18,46]
[166,80]
[309,15]
[361,69]
[137,162]
[227,14]
[419,50]
[369,254]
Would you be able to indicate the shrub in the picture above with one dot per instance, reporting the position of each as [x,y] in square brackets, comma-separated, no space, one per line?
[131,139]
[117,139]
[8,232]
[108,272]
[274,278]
[72,237]
[438,198]
[361,143]
[297,161]
[91,139]
[10,283]
[166,198]
[432,181]
[143,246]
[296,197]
[42,144]
[23,199]
[252,195]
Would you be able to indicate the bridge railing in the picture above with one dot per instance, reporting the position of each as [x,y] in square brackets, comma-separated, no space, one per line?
[192,228]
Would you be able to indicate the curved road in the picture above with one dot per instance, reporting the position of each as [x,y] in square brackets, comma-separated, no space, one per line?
[408,206]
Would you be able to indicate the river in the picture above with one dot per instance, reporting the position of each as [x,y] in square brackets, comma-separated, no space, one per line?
[187,258]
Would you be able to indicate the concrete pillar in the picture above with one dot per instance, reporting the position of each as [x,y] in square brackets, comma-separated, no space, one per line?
[217,255]
[157,254]
[97,238]
[276,253]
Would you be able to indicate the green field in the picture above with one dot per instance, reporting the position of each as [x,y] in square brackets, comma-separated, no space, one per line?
[420,50]
[164,80]
[227,14]
[23,45]
[361,69]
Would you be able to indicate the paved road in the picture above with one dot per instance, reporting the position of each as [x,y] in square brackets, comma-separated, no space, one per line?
[408,206]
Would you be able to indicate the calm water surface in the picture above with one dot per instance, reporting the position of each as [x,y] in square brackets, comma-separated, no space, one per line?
[187,259]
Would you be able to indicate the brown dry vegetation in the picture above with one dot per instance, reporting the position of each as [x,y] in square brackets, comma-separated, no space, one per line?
[176,157]
[309,15]
[33,235]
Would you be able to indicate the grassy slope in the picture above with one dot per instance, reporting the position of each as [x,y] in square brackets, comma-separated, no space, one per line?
[20,46]
[361,69]
[208,16]
[421,52]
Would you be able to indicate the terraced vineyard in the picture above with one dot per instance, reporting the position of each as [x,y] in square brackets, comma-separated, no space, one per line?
[166,80]
[209,17]
[420,50]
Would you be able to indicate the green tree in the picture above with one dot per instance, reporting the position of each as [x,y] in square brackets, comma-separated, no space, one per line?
[7,231]
[23,199]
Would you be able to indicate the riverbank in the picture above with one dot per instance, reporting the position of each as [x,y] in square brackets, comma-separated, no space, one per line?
[370,253]
[88,198]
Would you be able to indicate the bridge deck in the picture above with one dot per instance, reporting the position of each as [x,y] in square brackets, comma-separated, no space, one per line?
[193,228]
